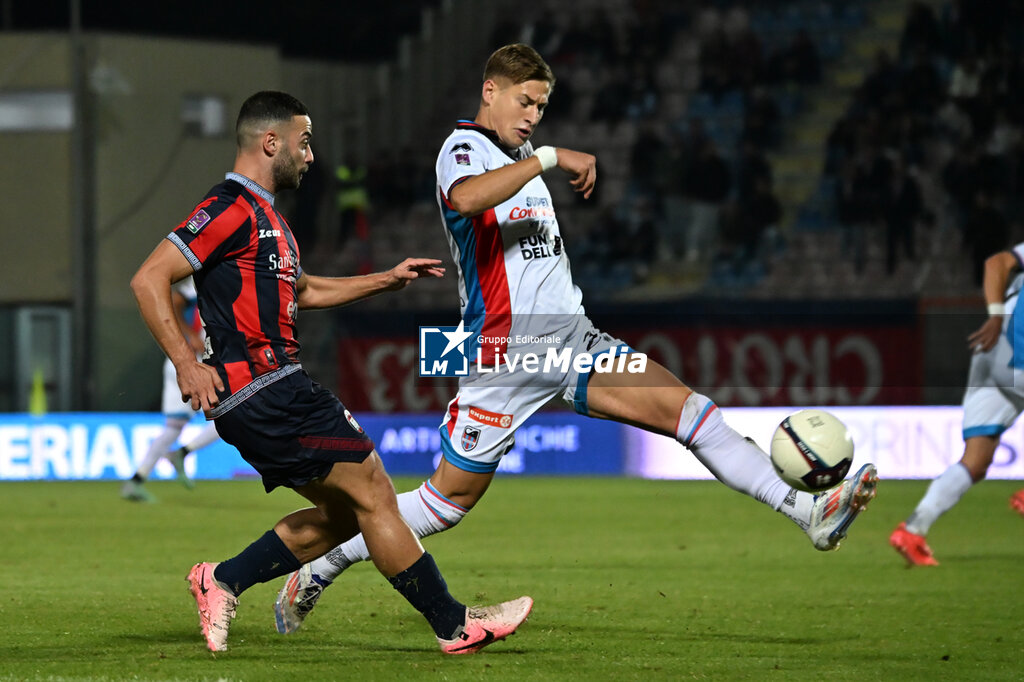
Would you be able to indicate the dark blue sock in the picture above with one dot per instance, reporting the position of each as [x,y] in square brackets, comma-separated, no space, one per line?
[263,560]
[423,587]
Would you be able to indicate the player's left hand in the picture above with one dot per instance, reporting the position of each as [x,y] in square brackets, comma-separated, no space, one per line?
[582,168]
[986,336]
[413,268]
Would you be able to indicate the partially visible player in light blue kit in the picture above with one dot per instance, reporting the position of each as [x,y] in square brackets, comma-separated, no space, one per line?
[992,402]
[517,296]
[177,413]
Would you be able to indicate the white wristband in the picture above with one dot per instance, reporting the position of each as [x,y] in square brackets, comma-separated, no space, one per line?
[996,309]
[547,156]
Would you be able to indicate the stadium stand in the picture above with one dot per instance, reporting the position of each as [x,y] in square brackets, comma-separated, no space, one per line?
[795,100]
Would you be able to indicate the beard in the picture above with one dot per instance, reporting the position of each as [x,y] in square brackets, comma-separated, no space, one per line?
[286,174]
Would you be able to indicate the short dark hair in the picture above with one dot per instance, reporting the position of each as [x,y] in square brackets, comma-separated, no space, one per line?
[264,108]
[518,63]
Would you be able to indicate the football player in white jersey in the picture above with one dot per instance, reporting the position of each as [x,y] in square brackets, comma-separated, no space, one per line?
[517,296]
[176,412]
[992,402]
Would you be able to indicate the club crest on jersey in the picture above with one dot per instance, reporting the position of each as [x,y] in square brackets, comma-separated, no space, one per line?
[470,437]
[461,152]
[198,221]
[352,421]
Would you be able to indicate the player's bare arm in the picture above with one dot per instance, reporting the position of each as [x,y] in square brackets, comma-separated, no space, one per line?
[151,286]
[997,273]
[327,292]
[485,191]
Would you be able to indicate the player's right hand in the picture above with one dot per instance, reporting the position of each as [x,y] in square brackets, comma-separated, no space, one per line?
[986,336]
[199,384]
[582,168]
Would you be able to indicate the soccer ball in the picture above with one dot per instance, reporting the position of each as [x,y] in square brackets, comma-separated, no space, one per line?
[812,450]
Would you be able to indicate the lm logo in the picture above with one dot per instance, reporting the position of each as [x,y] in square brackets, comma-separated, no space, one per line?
[443,351]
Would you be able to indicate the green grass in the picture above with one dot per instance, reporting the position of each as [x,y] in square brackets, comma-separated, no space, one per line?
[632,580]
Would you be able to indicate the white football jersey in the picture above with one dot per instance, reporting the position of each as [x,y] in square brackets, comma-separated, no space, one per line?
[187,289]
[514,276]
[1013,326]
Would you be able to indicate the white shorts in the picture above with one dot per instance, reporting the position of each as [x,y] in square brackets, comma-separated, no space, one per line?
[172,405]
[995,392]
[480,424]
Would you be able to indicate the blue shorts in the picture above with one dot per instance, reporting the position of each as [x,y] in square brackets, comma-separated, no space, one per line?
[293,431]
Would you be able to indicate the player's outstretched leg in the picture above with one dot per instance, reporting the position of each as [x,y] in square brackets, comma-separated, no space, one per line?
[743,466]
[426,511]
[835,510]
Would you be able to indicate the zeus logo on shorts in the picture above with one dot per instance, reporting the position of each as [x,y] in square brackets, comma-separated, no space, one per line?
[470,437]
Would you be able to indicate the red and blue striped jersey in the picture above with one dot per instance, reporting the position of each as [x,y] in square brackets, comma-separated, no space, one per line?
[246,263]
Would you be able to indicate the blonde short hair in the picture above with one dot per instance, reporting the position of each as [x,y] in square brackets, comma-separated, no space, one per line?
[518,63]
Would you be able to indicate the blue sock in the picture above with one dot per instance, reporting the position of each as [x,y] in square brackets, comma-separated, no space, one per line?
[422,586]
[263,560]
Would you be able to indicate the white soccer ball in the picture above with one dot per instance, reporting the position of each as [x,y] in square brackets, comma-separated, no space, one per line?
[812,450]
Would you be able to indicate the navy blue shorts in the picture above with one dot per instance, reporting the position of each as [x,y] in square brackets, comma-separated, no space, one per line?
[293,431]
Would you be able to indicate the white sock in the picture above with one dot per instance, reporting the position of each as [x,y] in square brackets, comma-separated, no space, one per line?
[205,437]
[425,510]
[159,447]
[737,462]
[943,494]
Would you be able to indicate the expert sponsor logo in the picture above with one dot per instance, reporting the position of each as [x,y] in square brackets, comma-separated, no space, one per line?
[490,418]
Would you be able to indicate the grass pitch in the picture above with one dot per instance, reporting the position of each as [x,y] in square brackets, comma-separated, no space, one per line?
[632,580]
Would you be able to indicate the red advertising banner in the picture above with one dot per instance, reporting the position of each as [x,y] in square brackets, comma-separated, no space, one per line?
[774,366]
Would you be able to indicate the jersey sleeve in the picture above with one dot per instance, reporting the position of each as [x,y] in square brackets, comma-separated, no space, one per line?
[1018,252]
[462,157]
[214,228]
